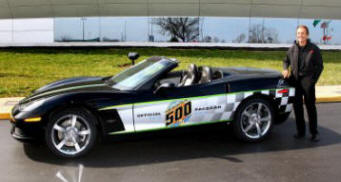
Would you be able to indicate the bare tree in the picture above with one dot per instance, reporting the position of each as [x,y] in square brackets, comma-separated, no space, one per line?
[256,34]
[260,34]
[207,38]
[65,38]
[271,35]
[183,29]
[240,38]
[215,39]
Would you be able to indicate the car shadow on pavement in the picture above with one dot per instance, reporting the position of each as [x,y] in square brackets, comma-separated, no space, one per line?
[214,141]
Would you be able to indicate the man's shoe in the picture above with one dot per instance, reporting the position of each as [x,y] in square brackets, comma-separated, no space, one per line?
[315,138]
[299,135]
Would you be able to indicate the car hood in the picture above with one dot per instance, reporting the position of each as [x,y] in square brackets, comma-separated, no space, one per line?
[70,82]
[76,84]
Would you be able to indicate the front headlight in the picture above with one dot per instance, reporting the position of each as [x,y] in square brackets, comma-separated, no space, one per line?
[31,105]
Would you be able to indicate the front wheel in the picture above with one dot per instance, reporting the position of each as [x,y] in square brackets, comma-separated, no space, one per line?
[253,120]
[71,133]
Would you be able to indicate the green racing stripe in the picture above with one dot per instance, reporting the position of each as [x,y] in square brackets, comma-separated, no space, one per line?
[167,127]
[69,88]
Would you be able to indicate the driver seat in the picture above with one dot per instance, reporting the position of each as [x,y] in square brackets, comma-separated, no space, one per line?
[206,75]
[191,76]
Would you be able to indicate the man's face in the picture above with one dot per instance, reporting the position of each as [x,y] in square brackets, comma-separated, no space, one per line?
[301,35]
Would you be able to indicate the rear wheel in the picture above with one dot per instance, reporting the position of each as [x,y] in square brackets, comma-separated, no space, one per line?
[253,120]
[71,133]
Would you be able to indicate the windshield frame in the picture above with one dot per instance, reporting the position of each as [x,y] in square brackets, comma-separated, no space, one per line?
[169,65]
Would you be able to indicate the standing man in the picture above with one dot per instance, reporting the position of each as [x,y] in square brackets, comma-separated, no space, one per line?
[302,67]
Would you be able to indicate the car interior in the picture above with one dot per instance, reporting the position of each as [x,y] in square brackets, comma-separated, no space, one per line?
[193,75]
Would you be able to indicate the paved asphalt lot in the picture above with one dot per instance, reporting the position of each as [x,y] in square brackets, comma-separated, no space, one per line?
[205,153]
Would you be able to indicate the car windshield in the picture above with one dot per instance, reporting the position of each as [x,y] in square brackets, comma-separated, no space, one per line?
[138,74]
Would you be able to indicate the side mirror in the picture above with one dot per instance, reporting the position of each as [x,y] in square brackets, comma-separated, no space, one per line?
[164,86]
[133,56]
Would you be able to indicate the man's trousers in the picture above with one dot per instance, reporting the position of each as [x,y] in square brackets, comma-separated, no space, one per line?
[305,88]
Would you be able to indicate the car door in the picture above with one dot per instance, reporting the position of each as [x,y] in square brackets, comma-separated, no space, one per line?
[180,106]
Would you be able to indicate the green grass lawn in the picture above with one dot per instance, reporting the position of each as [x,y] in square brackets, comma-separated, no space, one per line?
[23,70]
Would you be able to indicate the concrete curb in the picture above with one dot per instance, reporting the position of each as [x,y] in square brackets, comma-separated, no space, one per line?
[324,94]
[5,116]
[328,99]
[6,105]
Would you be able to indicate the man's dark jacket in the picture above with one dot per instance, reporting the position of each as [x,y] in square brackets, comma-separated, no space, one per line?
[312,61]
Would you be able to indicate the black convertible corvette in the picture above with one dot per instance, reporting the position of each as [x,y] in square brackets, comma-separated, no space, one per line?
[71,114]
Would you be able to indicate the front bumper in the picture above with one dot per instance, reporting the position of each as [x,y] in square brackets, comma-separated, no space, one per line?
[21,135]
[25,131]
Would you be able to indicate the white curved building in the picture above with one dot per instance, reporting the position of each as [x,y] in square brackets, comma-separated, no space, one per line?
[54,20]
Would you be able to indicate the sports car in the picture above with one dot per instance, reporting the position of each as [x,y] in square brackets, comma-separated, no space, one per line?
[71,114]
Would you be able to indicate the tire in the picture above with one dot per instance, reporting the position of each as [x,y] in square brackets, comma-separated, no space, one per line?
[281,118]
[251,125]
[71,133]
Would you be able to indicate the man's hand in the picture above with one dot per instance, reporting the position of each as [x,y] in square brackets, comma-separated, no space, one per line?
[285,73]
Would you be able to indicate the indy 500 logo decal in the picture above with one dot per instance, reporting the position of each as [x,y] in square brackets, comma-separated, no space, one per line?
[178,112]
